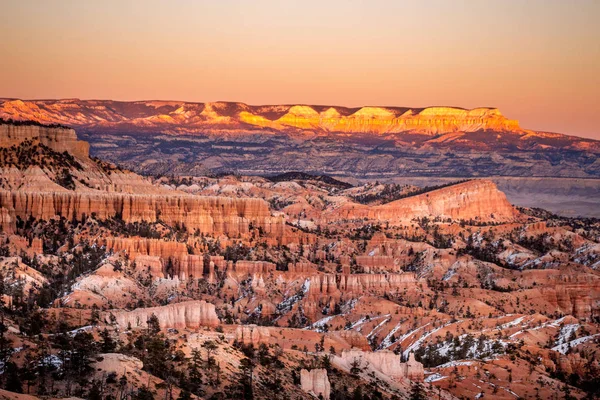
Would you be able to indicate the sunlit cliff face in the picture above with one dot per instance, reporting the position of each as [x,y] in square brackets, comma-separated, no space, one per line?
[199,116]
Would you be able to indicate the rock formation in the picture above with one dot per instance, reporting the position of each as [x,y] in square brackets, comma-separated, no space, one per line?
[387,363]
[315,382]
[118,363]
[477,200]
[58,139]
[189,314]
[108,115]
[413,370]
[207,214]
[376,263]
[252,334]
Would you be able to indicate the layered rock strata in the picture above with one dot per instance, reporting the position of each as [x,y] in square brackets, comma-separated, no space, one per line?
[58,139]
[212,215]
[315,382]
[387,363]
[189,314]
[107,115]
[473,200]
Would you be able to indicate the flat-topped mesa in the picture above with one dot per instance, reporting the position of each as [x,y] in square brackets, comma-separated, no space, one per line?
[182,117]
[189,314]
[472,200]
[379,120]
[58,139]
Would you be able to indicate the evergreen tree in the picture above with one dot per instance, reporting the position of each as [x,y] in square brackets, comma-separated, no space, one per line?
[13,381]
[107,344]
[417,392]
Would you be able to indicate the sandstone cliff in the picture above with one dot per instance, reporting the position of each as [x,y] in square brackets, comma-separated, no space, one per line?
[387,363]
[476,199]
[207,214]
[189,314]
[252,334]
[57,138]
[94,189]
[185,117]
[315,382]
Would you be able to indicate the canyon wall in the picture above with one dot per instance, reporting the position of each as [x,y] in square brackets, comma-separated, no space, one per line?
[231,216]
[58,139]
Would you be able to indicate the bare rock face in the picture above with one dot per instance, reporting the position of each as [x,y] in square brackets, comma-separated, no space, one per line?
[376,263]
[6,220]
[34,192]
[152,264]
[334,285]
[478,200]
[58,139]
[413,370]
[207,117]
[231,216]
[118,363]
[189,314]
[315,382]
[253,267]
[252,334]
[387,363]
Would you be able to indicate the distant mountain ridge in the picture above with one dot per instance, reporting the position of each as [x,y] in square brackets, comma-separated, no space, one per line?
[184,138]
[187,117]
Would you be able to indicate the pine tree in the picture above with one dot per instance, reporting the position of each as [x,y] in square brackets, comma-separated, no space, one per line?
[417,392]
[13,381]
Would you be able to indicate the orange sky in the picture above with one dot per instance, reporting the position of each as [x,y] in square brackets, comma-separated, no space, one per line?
[538,61]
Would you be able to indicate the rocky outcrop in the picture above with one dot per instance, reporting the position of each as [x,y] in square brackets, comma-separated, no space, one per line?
[574,293]
[189,314]
[315,382]
[58,139]
[413,370]
[151,264]
[376,263]
[387,363]
[302,268]
[212,215]
[376,283]
[117,363]
[6,221]
[137,246]
[477,199]
[331,284]
[252,334]
[253,267]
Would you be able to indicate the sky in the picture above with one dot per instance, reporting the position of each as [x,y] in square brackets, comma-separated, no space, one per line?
[537,61]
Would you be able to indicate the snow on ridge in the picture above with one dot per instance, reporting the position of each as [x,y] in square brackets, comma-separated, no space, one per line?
[564,347]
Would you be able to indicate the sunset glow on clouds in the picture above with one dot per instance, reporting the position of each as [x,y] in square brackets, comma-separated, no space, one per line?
[537,61]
